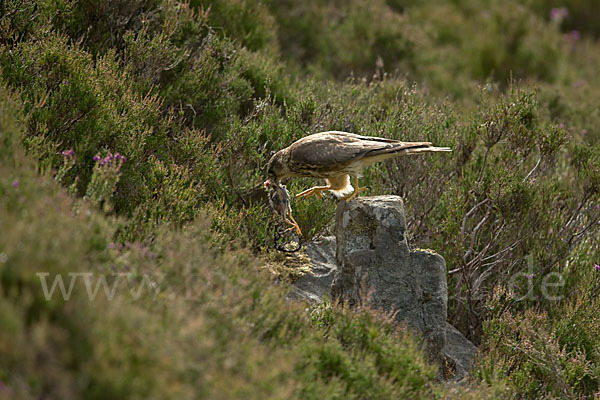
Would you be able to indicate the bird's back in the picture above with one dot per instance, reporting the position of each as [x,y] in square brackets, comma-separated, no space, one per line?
[325,150]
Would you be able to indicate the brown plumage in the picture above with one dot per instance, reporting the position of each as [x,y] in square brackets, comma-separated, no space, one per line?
[336,157]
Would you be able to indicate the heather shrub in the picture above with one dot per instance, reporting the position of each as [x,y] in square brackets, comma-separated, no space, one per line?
[514,43]
[572,15]
[490,207]
[537,358]
[105,177]
[148,111]
[359,41]
[195,96]
[249,23]
[171,319]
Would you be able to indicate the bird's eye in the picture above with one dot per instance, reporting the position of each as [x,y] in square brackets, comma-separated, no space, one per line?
[271,172]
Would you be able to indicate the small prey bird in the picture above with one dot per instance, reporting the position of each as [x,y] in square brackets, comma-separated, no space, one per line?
[337,157]
[279,199]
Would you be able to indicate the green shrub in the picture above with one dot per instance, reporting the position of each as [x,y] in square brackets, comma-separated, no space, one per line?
[580,15]
[197,95]
[248,22]
[537,359]
[174,319]
[359,40]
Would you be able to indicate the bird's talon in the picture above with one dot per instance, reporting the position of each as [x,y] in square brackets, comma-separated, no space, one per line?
[303,195]
[294,225]
[314,190]
[295,228]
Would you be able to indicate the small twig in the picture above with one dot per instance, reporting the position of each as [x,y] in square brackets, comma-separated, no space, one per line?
[533,170]
[574,215]
[584,230]
[67,125]
[474,234]
[512,246]
[483,164]
[470,212]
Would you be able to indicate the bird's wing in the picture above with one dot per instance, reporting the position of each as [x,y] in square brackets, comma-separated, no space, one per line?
[354,136]
[327,149]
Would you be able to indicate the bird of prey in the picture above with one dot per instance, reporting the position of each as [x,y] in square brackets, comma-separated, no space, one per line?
[337,157]
[279,199]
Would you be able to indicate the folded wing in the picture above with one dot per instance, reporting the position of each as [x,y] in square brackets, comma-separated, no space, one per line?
[328,149]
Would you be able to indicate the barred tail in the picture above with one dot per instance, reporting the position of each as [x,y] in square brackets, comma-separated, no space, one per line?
[401,148]
[429,149]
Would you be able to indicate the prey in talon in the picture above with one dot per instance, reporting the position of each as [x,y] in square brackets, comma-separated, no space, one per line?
[279,199]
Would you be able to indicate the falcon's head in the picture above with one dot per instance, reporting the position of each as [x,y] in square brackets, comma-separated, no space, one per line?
[277,169]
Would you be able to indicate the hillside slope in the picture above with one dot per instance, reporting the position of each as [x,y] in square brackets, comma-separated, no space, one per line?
[147,125]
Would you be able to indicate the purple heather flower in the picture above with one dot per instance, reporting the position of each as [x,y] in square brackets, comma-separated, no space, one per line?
[574,36]
[15,183]
[559,13]
[530,276]
[123,158]
[577,84]
[96,158]
[597,267]
[68,154]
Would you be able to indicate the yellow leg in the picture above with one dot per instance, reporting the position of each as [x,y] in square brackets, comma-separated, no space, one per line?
[357,190]
[294,225]
[314,190]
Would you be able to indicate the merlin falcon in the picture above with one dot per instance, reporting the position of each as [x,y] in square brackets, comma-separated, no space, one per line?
[338,157]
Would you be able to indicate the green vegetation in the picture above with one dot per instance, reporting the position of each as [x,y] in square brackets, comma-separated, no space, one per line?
[133,137]
[184,320]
